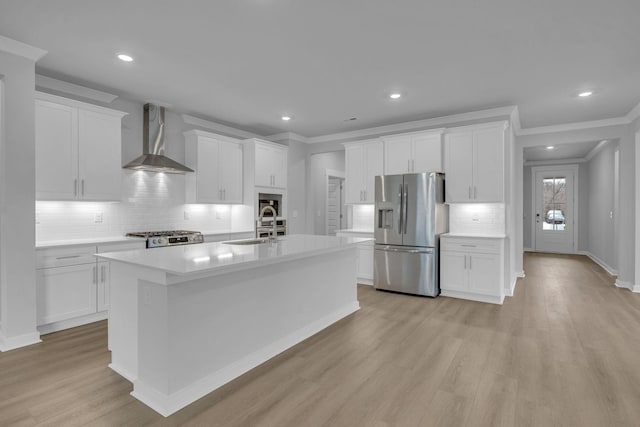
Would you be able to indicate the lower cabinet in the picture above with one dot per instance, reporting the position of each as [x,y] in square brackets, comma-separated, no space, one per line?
[72,287]
[472,268]
[365,255]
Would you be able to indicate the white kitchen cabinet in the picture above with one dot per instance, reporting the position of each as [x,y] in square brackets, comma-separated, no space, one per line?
[413,152]
[72,287]
[474,163]
[217,162]
[78,148]
[363,162]
[472,268]
[270,164]
[365,255]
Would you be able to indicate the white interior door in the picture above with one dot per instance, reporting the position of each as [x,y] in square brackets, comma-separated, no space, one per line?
[334,205]
[554,209]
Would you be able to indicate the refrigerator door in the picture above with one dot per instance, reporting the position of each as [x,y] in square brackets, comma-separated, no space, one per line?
[389,191]
[418,224]
[406,270]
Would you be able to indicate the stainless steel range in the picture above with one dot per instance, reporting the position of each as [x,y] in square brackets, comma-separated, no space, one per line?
[158,239]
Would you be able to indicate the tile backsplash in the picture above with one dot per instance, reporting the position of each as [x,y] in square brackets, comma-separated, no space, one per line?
[151,201]
[477,218]
[362,217]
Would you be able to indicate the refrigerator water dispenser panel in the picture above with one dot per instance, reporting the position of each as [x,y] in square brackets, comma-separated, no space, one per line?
[385,218]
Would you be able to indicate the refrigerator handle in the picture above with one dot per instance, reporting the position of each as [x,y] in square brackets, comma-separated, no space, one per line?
[406,203]
[401,213]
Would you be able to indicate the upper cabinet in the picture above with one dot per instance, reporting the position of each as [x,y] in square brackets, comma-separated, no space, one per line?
[269,162]
[474,163]
[413,152]
[363,161]
[78,148]
[217,162]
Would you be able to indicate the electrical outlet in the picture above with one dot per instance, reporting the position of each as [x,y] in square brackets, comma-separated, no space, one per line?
[475,216]
[97,217]
[186,215]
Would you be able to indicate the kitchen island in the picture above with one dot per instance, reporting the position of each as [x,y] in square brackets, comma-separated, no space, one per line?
[184,320]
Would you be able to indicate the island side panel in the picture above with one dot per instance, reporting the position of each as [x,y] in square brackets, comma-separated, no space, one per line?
[219,327]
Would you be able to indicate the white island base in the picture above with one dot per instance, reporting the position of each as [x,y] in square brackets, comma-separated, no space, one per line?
[178,337]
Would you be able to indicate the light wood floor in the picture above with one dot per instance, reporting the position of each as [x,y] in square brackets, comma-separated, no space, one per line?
[564,351]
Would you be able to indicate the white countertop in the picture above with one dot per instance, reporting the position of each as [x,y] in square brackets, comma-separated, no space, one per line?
[218,257]
[356,230]
[118,239]
[479,236]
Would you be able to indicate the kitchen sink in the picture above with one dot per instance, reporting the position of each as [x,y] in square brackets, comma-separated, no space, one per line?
[246,242]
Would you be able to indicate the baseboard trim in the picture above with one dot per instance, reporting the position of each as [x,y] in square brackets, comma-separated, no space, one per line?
[527,249]
[11,343]
[628,285]
[122,372]
[72,323]
[167,404]
[362,281]
[510,291]
[611,271]
[472,296]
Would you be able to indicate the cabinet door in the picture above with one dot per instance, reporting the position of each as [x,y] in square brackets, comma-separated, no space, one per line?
[488,167]
[427,153]
[453,271]
[100,162]
[102,288]
[279,167]
[354,173]
[374,166]
[484,271]
[365,262]
[230,164]
[397,155]
[458,167]
[264,169]
[207,174]
[56,132]
[65,292]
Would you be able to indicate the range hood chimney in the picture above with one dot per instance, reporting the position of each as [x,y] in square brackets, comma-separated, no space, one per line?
[153,158]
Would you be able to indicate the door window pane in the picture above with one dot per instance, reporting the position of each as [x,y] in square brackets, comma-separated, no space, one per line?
[554,202]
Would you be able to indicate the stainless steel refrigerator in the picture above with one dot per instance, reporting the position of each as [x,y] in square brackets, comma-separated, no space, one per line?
[410,215]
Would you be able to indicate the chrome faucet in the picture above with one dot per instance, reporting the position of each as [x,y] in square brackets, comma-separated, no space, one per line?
[274,231]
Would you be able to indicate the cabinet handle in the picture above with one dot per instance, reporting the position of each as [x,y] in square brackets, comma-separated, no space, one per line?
[413,165]
[469,192]
[408,165]
[470,262]
[68,257]
[469,246]
[83,187]
[364,192]
[475,192]
[95,275]
[465,262]
[224,194]
[75,187]
[103,272]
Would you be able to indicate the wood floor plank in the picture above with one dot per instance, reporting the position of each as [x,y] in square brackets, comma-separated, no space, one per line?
[563,351]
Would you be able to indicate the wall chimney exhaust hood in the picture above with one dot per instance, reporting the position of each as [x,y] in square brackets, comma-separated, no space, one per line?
[153,158]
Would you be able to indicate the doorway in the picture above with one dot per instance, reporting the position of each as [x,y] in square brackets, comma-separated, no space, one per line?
[335,203]
[554,208]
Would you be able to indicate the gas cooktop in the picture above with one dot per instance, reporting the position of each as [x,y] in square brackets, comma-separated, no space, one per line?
[157,239]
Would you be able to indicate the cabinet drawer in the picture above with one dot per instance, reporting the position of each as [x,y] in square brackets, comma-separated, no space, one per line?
[466,244]
[121,246]
[61,257]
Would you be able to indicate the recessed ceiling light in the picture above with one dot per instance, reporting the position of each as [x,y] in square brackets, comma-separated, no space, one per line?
[125,57]
[585,94]
[550,147]
[286,118]
[395,95]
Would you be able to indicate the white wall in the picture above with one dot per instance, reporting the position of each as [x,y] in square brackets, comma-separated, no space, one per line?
[17,195]
[317,188]
[600,205]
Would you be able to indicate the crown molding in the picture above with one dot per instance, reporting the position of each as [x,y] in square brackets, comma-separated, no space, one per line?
[24,50]
[218,127]
[44,82]
[289,136]
[568,127]
[204,133]
[634,113]
[556,162]
[414,125]
[515,120]
[44,96]
[595,150]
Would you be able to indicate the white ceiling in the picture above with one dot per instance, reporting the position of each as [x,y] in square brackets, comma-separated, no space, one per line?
[576,150]
[248,62]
